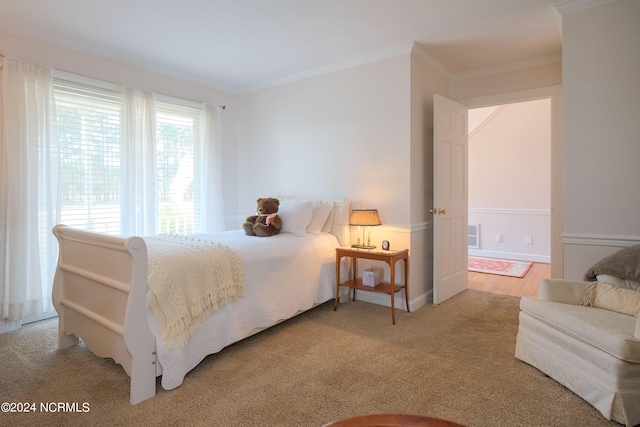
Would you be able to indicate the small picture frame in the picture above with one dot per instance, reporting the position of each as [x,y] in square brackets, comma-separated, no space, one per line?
[385,245]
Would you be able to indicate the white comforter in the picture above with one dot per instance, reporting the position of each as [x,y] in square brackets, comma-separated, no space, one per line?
[285,274]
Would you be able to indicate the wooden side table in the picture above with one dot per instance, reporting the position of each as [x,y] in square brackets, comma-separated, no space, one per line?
[390,257]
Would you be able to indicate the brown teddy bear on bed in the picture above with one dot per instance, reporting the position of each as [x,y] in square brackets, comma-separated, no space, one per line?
[267,222]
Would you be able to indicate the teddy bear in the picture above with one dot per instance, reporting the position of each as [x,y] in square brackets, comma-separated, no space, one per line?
[267,222]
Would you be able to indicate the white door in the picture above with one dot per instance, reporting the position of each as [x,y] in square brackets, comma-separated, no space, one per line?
[450,201]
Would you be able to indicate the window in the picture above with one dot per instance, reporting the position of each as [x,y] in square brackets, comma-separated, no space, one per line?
[91,151]
[177,130]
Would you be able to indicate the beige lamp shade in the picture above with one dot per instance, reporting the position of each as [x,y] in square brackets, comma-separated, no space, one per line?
[367,217]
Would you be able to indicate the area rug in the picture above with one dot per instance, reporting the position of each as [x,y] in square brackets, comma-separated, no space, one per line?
[502,267]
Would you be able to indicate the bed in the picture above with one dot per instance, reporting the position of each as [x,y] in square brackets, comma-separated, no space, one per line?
[100,292]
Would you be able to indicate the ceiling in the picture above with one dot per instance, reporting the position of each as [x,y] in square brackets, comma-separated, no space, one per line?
[240,44]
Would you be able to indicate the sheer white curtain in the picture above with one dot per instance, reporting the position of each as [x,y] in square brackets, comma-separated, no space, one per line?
[210,155]
[29,195]
[140,195]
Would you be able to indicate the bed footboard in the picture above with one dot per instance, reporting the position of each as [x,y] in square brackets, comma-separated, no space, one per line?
[99,292]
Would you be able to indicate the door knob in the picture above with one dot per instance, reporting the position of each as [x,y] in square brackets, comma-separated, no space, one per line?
[438,211]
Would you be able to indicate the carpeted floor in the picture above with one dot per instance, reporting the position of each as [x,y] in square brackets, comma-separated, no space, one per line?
[452,361]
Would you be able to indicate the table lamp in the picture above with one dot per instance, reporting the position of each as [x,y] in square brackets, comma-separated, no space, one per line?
[364,218]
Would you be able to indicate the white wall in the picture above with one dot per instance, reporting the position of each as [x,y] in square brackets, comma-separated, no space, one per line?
[601,63]
[510,181]
[336,135]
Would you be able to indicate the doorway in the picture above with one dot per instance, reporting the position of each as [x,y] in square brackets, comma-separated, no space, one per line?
[510,217]
[551,213]
[510,181]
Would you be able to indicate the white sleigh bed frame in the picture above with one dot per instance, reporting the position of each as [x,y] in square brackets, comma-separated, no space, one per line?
[100,291]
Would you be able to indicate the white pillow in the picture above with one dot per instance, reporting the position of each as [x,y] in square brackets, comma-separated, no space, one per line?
[295,215]
[319,215]
[611,297]
[622,283]
[326,228]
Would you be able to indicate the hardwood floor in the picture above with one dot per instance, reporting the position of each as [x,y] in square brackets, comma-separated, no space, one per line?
[528,285]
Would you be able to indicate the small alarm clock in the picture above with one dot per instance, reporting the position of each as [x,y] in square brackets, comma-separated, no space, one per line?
[385,245]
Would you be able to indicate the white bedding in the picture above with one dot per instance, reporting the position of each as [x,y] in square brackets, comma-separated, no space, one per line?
[285,274]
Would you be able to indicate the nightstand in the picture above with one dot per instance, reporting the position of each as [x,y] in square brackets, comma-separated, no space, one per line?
[390,257]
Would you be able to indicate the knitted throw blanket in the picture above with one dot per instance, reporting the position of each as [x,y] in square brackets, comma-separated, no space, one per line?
[188,280]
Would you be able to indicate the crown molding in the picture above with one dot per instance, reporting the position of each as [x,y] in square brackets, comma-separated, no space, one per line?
[414,49]
[367,59]
[504,68]
[423,56]
[570,6]
[79,48]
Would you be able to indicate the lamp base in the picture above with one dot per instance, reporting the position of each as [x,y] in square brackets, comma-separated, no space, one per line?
[362,247]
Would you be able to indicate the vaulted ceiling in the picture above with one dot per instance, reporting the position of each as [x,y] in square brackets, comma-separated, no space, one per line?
[240,44]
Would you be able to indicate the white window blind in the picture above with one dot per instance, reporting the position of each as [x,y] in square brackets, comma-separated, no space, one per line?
[90,151]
